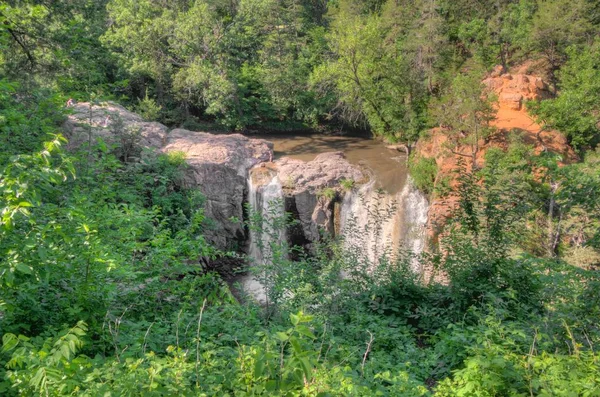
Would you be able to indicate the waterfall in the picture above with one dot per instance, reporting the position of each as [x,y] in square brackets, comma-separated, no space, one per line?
[374,224]
[379,224]
[416,208]
[269,219]
[267,231]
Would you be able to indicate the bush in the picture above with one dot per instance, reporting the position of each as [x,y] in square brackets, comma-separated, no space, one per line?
[329,193]
[347,184]
[423,171]
[148,108]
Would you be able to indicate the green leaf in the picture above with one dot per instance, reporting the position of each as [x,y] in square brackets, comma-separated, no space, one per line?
[9,342]
[259,368]
[306,367]
[304,330]
[282,336]
[296,345]
[24,268]
[294,319]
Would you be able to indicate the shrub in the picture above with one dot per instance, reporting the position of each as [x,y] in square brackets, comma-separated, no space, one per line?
[148,108]
[423,171]
[328,193]
[347,184]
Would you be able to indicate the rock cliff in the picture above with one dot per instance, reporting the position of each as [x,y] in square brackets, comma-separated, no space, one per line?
[113,123]
[220,165]
[310,190]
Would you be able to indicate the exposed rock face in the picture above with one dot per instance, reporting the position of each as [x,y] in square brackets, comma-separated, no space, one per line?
[326,170]
[512,91]
[303,188]
[113,123]
[219,166]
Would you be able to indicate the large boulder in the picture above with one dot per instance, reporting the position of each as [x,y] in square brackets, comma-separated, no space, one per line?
[219,166]
[310,189]
[114,124]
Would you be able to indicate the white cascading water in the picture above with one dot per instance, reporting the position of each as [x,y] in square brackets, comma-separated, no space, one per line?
[266,201]
[373,222]
[416,209]
[379,224]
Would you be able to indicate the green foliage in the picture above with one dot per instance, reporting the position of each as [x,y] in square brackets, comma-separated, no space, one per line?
[558,24]
[507,361]
[328,193]
[371,79]
[148,108]
[576,110]
[347,184]
[249,74]
[56,45]
[502,36]
[106,285]
[156,323]
[45,368]
[423,172]
[442,187]
[26,119]
[465,113]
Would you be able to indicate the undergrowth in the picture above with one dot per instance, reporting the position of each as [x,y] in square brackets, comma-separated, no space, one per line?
[104,291]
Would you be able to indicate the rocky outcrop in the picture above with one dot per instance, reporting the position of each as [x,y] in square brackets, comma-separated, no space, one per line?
[219,166]
[113,124]
[310,190]
[513,91]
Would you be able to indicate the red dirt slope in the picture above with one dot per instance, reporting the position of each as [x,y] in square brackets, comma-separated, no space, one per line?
[512,90]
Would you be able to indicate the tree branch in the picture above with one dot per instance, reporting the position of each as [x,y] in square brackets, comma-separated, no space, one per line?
[22,45]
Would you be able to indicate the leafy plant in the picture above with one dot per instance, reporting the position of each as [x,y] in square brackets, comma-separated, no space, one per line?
[148,108]
[423,172]
[347,184]
[328,193]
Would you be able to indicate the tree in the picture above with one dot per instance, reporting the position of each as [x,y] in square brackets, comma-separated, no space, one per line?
[494,36]
[139,34]
[371,77]
[427,42]
[576,110]
[55,44]
[291,48]
[558,24]
[246,63]
[464,113]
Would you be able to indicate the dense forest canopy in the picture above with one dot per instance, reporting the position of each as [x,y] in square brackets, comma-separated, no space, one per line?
[104,286]
[298,64]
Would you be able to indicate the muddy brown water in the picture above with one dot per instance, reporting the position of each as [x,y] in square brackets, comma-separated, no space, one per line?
[387,166]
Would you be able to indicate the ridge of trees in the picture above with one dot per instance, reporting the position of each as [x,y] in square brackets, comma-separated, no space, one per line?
[300,64]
